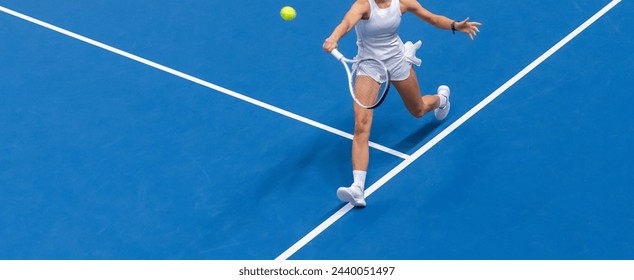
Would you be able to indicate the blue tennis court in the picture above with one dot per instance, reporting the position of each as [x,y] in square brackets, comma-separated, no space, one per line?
[215,130]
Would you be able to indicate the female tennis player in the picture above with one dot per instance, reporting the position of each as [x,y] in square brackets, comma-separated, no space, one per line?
[376,23]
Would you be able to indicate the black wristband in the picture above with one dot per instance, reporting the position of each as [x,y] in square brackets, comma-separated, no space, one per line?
[453,27]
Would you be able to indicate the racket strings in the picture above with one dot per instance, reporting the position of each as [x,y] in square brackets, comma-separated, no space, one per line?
[370,82]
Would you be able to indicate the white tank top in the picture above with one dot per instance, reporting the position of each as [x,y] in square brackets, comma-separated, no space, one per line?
[377,36]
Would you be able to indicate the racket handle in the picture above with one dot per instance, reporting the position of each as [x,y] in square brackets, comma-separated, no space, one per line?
[336,54]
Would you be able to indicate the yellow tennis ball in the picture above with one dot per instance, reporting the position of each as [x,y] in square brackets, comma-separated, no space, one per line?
[288,13]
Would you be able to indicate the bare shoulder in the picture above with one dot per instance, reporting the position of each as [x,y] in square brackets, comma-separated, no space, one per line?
[362,4]
[408,4]
[361,7]
[414,7]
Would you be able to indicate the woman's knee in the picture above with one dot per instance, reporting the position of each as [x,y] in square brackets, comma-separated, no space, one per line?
[417,112]
[420,109]
[362,126]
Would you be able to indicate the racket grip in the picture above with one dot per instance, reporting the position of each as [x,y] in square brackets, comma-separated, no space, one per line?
[336,54]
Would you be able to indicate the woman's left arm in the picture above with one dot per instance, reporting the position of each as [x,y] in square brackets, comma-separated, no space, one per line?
[439,21]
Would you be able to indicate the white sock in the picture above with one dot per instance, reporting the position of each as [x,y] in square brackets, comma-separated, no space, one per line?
[443,101]
[359,178]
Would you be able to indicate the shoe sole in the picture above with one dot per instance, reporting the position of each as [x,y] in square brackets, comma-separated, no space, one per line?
[345,195]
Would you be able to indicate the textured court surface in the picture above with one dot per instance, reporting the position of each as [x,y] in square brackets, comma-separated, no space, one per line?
[104,157]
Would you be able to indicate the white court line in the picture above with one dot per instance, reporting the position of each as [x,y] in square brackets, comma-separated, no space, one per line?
[332,219]
[199,81]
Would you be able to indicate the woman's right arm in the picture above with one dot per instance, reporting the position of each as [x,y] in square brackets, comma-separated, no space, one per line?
[359,10]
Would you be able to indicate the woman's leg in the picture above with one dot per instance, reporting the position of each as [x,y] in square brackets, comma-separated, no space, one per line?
[360,150]
[361,139]
[416,104]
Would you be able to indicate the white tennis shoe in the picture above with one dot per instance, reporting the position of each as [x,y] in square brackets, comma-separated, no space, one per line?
[353,194]
[441,112]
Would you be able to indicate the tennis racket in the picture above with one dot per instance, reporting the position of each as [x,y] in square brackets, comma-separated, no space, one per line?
[368,80]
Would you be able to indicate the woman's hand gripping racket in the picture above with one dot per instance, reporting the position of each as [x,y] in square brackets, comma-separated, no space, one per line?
[369,80]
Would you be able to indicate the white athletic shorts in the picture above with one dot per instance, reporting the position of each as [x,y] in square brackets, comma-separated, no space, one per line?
[399,65]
